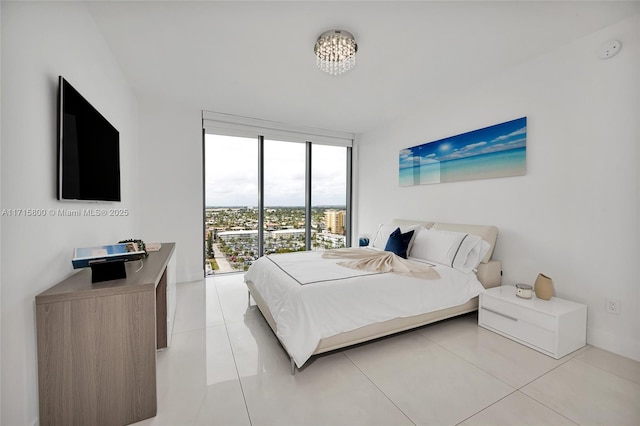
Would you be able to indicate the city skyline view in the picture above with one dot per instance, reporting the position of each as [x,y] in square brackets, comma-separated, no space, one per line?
[231,234]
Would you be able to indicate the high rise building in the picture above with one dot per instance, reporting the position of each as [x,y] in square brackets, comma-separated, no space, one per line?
[334,221]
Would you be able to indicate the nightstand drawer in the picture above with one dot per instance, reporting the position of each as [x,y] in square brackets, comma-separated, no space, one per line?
[540,319]
[518,329]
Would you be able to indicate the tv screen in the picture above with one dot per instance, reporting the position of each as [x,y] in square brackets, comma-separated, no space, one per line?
[88,150]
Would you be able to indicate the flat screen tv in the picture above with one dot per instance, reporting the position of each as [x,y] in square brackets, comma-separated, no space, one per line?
[88,150]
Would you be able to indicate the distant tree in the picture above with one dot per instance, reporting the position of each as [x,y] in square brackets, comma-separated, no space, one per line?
[210,254]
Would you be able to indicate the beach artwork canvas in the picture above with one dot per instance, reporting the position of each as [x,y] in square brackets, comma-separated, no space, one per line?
[495,151]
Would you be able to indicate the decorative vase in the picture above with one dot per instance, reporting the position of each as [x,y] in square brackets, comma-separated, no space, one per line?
[543,287]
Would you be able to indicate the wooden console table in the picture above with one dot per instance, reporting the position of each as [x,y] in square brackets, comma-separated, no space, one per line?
[97,343]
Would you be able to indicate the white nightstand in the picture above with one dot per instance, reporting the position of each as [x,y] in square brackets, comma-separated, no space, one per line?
[554,327]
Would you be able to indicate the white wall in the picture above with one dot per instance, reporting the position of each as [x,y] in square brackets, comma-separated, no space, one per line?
[0,226]
[171,181]
[574,216]
[39,42]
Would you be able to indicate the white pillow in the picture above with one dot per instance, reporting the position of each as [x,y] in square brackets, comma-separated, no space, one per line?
[454,249]
[478,248]
[384,230]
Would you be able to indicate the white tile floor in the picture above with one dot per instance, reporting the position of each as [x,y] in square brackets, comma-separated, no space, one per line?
[225,367]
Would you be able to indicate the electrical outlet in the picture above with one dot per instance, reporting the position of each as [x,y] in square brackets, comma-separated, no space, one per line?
[613,306]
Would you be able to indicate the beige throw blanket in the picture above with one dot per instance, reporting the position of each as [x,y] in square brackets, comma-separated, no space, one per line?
[381,261]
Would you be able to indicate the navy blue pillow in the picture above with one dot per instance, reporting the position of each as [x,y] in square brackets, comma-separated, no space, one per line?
[399,242]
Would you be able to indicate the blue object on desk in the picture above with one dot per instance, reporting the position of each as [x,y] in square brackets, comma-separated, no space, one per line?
[363,242]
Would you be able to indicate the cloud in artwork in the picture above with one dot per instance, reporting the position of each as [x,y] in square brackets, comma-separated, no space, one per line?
[472,146]
[518,132]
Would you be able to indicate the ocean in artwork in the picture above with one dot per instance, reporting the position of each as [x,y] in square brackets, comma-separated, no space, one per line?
[491,152]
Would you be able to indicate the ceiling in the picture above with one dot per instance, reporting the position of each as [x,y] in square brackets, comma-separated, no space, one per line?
[255,59]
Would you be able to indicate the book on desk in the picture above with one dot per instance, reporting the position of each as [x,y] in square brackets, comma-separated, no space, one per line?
[84,257]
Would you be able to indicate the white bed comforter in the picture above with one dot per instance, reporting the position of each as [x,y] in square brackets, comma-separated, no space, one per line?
[317,298]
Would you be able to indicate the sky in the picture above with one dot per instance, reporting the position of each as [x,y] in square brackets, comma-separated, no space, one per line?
[231,173]
[500,137]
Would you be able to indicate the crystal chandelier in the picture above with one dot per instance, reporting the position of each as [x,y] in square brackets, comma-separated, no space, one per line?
[335,51]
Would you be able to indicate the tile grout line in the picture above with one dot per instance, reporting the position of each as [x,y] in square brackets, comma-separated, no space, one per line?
[602,369]
[573,357]
[497,378]
[457,356]
[376,386]
[544,374]
[226,329]
[490,405]
[547,372]
[475,366]
[550,408]
[468,362]
[515,389]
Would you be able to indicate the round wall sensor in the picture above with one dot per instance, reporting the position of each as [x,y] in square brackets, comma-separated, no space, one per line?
[609,49]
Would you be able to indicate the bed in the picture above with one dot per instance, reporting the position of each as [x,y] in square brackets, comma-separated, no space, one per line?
[317,302]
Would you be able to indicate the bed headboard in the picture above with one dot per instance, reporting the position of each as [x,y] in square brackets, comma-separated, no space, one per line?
[489,271]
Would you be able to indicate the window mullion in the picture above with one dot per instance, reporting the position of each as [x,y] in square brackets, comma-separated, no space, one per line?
[261,195]
[349,197]
[307,198]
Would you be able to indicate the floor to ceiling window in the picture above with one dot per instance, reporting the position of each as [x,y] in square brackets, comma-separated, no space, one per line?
[272,191]
[231,194]
[284,196]
[329,196]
